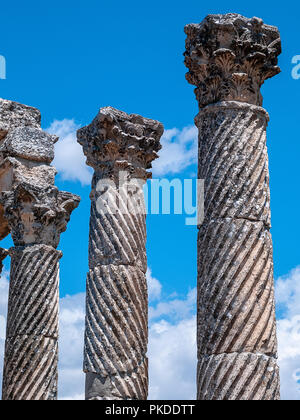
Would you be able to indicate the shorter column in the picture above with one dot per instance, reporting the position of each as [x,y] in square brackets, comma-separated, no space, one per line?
[36,218]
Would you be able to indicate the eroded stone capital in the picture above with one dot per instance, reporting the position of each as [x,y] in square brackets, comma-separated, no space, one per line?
[229,57]
[116,141]
[37,215]
[14,171]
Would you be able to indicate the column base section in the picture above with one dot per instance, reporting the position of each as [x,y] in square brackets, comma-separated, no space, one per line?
[118,387]
[30,368]
[238,376]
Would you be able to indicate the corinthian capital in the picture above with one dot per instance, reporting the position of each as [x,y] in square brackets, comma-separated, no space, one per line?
[229,57]
[116,141]
[37,215]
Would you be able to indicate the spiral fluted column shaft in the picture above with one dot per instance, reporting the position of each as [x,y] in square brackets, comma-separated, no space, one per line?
[31,350]
[228,58]
[116,335]
[237,344]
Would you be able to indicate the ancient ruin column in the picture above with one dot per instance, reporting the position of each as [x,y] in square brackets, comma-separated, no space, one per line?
[229,57]
[120,148]
[35,213]
[36,218]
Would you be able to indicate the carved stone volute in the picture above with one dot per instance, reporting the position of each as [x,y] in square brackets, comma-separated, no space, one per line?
[229,57]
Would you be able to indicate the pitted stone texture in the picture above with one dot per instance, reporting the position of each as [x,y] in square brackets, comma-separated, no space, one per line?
[34,292]
[125,387]
[117,230]
[116,334]
[233,161]
[14,115]
[30,368]
[116,141]
[37,215]
[236,311]
[29,143]
[14,171]
[244,376]
[229,57]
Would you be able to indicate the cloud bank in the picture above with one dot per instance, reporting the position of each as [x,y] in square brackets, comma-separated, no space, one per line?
[172,341]
[179,151]
[69,159]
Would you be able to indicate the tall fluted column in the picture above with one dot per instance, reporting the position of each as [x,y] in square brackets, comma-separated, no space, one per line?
[229,57]
[120,148]
[36,213]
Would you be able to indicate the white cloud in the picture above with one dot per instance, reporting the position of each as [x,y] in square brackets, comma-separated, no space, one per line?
[175,309]
[289,357]
[172,356]
[72,317]
[179,151]
[69,158]
[288,303]
[288,293]
[172,342]
[154,286]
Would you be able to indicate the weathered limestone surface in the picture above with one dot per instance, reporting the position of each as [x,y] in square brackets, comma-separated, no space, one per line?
[120,148]
[35,212]
[238,376]
[233,161]
[30,370]
[31,353]
[25,150]
[236,293]
[229,57]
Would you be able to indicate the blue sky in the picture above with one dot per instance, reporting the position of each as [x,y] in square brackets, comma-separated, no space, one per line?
[70,58]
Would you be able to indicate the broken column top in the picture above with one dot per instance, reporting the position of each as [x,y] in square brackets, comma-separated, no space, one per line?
[229,57]
[21,135]
[13,115]
[116,140]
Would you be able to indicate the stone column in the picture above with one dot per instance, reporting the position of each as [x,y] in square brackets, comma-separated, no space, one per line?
[229,57]
[35,213]
[120,148]
[36,218]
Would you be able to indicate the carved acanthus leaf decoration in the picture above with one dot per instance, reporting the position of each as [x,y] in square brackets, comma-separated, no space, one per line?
[116,141]
[241,53]
[37,215]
